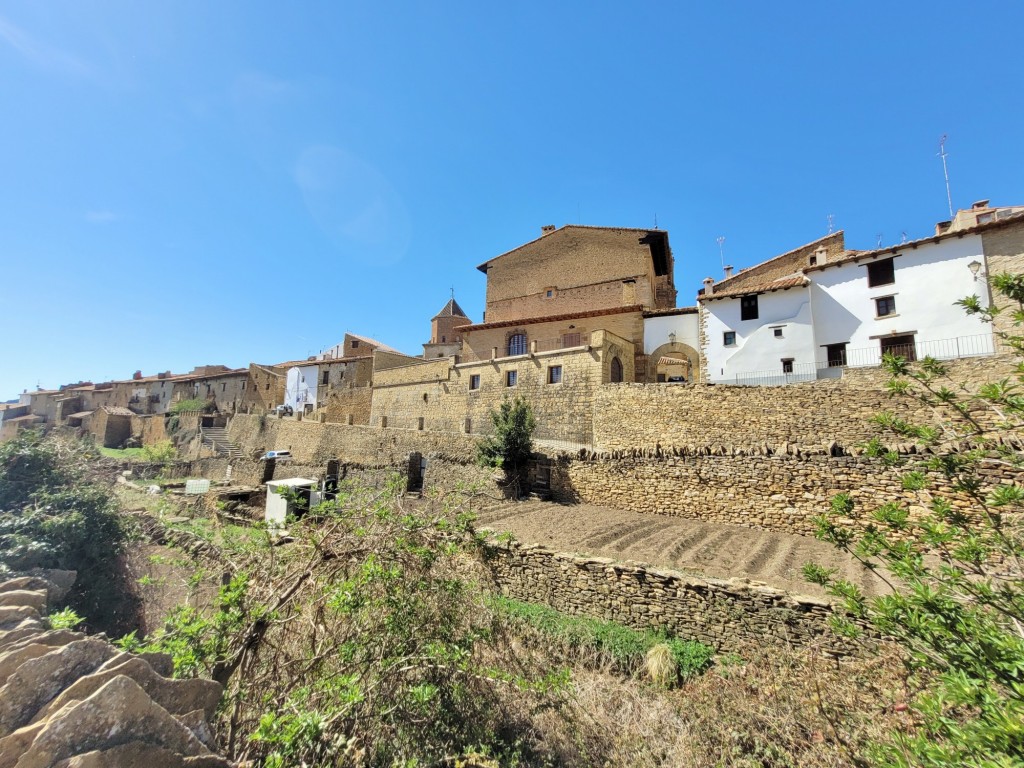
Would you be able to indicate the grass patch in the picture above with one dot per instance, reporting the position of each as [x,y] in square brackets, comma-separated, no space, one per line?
[623,647]
[122,453]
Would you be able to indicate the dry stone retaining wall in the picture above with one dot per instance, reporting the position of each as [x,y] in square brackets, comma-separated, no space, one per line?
[726,615]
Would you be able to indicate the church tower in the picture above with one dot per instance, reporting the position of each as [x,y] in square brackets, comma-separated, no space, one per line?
[445,339]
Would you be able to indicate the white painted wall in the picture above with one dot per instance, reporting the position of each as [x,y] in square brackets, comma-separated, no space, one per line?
[929,280]
[301,387]
[757,350]
[657,329]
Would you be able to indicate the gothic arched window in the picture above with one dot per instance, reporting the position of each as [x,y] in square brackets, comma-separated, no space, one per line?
[616,371]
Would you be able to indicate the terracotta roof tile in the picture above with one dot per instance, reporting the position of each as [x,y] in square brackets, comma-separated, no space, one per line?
[792,281]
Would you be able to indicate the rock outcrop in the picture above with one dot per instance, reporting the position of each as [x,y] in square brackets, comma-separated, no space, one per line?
[71,701]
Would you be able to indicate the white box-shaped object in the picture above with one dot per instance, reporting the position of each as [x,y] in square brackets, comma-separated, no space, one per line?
[280,506]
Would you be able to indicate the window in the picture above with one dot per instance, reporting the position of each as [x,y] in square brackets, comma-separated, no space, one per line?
[615,372]
[570,340]
[812,261]
[555,374]
[778,333]
[442,339]
[355,344]
[836,355]
[881,272]
[474,381]
[517,344]
[325,378]
[984,218]
[511,378]
[901,346]
[549,293]
[729,338]
[748,307]
[787,365]
[885,306]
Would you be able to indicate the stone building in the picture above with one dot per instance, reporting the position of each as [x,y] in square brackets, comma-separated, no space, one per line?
[554,292]
[445,340]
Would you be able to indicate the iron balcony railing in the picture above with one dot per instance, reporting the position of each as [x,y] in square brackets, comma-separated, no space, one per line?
[979,345]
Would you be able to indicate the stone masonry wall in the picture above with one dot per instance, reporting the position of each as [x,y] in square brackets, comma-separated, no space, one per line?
[782,492]
[725,615]
[817,413]
[1004,252]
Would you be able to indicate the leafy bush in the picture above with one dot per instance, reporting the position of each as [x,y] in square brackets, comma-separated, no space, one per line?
[162,451]
[363,634]
[195,404]
[510,445]
[53,516]
[958,571]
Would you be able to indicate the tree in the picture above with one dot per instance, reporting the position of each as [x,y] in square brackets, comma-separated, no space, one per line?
[510,445]
[958,600]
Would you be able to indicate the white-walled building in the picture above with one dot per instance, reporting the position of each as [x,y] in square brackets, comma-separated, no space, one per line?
[811,312]
[672,335]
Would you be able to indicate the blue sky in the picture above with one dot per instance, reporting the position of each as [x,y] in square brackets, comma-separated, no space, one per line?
[188,183]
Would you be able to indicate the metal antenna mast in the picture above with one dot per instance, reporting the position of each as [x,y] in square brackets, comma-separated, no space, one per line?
[721,250]
[945,172]
[831,219]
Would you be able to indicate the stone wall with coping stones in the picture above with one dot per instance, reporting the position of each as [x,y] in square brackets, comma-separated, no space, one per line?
[315,443]
[726,615]
[343,404]
[778,492]
[817,413]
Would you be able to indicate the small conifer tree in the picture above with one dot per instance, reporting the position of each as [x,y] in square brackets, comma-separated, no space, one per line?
[510,445]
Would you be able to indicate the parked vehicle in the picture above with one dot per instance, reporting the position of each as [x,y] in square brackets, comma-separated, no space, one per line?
[284,410]
[278,455]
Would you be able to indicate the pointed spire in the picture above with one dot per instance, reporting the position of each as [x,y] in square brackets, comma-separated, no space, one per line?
[451,309]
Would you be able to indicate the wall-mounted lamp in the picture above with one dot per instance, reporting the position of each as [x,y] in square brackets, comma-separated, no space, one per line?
[672,337]
[975,267]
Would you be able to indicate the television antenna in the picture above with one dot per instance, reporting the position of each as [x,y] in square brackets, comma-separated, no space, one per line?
[879,244]
[831,220]
[945,172]
[721,251]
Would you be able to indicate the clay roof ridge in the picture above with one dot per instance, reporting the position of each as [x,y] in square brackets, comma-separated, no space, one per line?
[376,343]
[790,281]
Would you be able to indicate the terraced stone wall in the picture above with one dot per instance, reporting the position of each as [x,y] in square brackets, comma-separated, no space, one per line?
[727,615]
[780,492]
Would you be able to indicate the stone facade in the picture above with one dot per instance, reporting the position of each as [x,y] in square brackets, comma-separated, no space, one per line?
[824,250]
[1004,252]
[729,616]
[578,269]
[559,385]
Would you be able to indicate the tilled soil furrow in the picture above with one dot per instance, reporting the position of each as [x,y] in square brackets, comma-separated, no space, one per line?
[764,558]
[635,538]
[690,541]
[714,549]
[604,537]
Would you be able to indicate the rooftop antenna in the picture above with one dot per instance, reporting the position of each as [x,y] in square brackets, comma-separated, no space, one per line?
[945,172]
[879,244]
[904,238]
[721,251]
[831,219]
[655,219]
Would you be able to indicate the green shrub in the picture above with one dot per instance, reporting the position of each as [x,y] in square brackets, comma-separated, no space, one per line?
[52,516]
[162,451]
[195,404]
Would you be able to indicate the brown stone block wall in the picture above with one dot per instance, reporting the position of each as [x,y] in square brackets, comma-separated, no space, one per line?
[776,492]
[1004,252]
[728,616]
[818,413]
[345,403]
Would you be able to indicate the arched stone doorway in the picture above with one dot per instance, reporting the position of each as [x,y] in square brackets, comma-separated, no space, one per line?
[673,361]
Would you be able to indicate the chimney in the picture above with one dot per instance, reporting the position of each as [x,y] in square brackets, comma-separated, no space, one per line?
[728,271]
[980,205]
[709,286]
[547,229]
[942,226]
[137,375]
